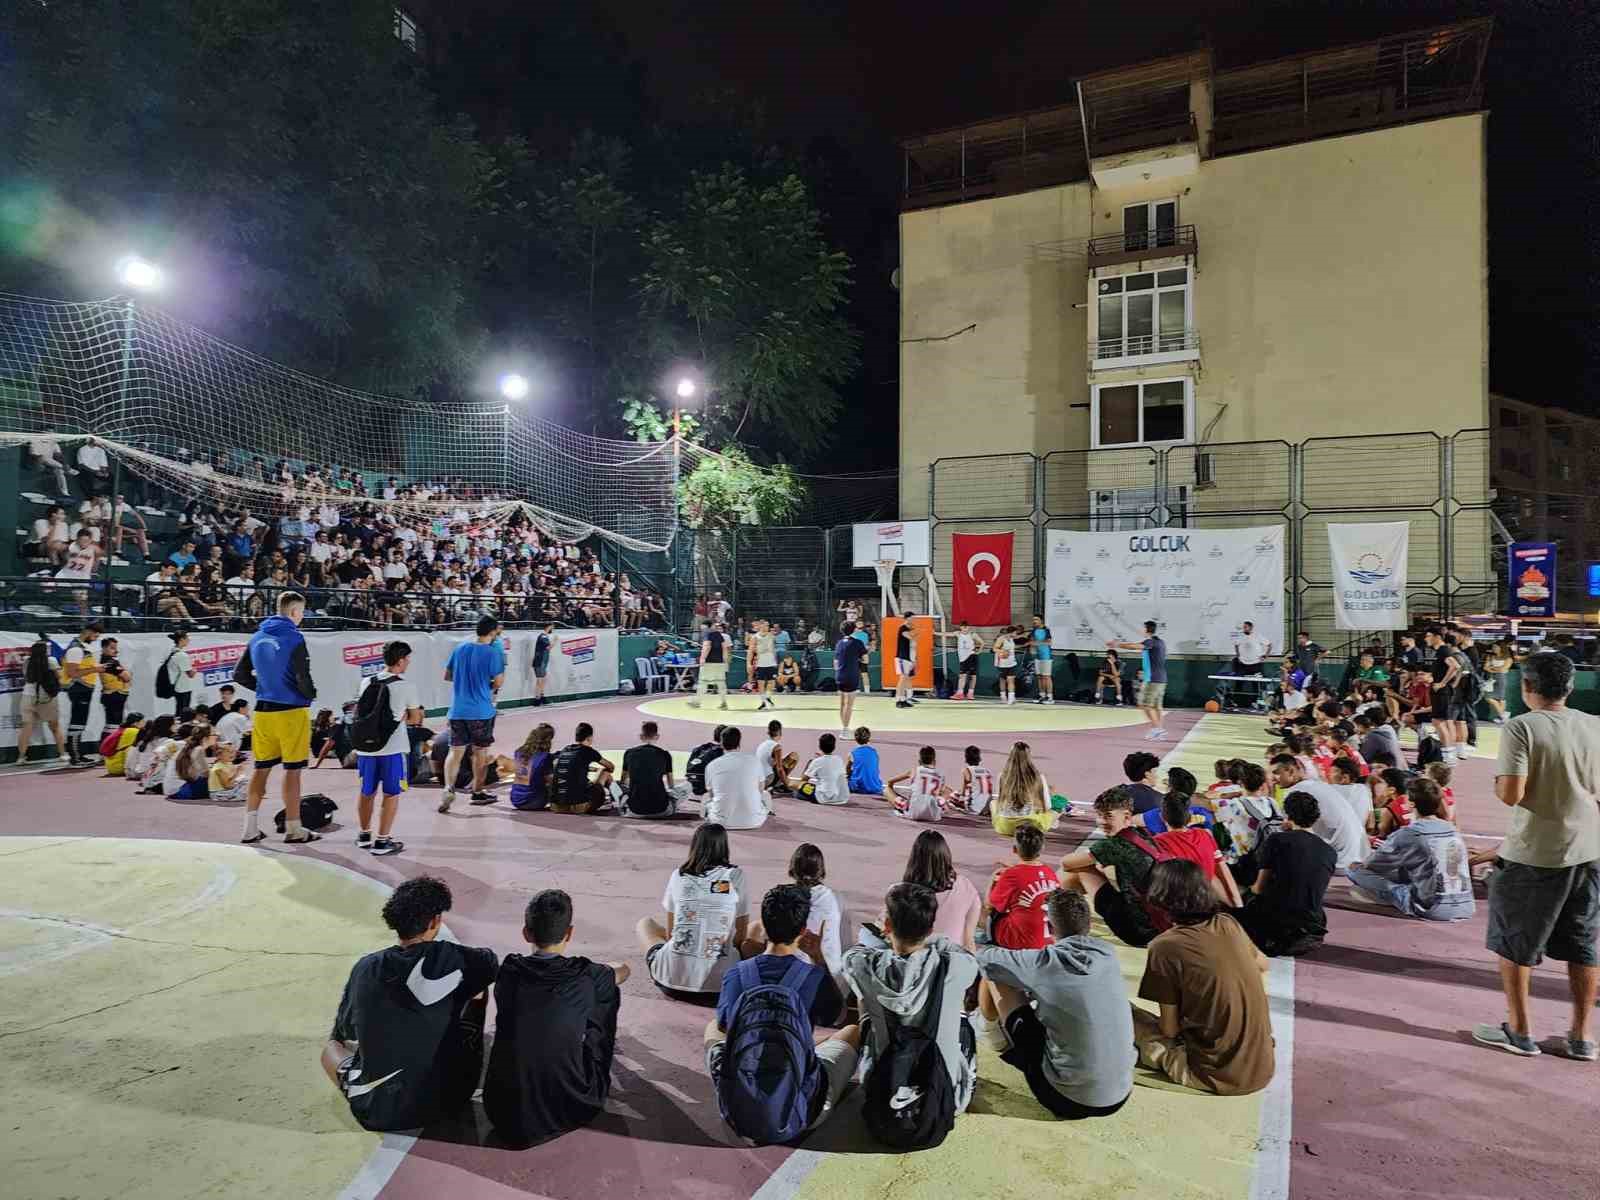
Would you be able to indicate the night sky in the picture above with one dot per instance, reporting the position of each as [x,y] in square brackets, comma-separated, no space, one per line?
[844,79]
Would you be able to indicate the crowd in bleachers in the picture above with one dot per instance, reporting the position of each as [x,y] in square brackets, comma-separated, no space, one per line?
[325,535]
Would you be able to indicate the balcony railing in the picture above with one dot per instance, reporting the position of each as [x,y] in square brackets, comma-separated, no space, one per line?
[1162,242]
[1149,347]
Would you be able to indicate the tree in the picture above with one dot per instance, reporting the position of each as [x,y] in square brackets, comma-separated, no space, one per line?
[741,275]
[285,158]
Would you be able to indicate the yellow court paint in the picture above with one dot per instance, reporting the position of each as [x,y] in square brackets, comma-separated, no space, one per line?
[162,1009]
[820,710]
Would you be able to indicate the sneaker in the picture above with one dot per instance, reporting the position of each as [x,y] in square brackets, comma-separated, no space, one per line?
[989,1033]
[482,798]
[387,846]
[305,836]
[901,704]
[724,704]
[1583,1051]
[694,704]
[258,836]
[1513,1043]
[447,800]
[364,840]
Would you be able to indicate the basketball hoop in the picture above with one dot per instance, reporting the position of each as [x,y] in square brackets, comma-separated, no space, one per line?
[885,569]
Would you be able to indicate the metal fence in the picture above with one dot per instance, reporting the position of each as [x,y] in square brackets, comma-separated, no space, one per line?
[1439,483]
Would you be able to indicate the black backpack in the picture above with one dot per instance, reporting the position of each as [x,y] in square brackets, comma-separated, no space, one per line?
[163,680]
[908,1101]
[374,724]
[316,812]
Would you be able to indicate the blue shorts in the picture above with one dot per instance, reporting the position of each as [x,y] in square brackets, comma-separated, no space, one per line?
[387,771]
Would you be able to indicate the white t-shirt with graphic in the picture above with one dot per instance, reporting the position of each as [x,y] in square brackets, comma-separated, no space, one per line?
[701,949]
[1005,653]
[828,773]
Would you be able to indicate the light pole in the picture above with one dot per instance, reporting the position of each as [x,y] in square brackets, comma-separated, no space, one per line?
[138,275]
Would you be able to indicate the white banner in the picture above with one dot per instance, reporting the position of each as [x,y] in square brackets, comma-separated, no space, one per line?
[1369,573]
[581,661]
[1198,585]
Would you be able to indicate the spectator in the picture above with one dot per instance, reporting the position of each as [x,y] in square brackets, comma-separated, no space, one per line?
[406,1048]
[1197,844]
[233,728]
[572,790]
[555,1031]
[389,703]
[1336,822]
[707,917]
[1420,869]
[735,799]
[1377,737]
[808,869]
[530,786]
[1544,896]
[1023,796]
[41,685]
[919,794]
[825,781]
[1307,655]
[1017,894]
[863,766]
[700,758]
[1130,854]
[475,671]
[776,766]
[1345,777]
[46,454]
[51,535]
[788,675]
[1284,915]
[1213,1032]
[959,907]
[1143,770]
[647,785]
[276,666]
[918,980]
[1065,1015]
[183,556]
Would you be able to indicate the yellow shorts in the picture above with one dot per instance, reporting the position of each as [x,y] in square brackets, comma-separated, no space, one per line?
[1007,826]
[282,737]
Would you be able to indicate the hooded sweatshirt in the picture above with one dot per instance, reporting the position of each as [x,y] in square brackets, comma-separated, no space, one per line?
[414,1062]
[555,1032]
[277,667]
[901,989]
[1083,1006]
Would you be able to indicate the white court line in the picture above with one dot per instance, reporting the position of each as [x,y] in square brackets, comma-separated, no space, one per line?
[1269,1174]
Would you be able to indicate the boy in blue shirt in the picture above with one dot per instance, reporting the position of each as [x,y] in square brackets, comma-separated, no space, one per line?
[475,671]
[862,765]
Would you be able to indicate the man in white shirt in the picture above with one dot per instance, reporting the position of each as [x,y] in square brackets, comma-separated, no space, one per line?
[233,727]
[127,522]
[1249,650]
[1337,823]
[734,797]
[385,766]
[46,451]
[966,664]
[321,549]
[92,459]
[1344,776]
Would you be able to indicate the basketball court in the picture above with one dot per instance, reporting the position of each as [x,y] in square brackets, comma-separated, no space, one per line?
[174,1009]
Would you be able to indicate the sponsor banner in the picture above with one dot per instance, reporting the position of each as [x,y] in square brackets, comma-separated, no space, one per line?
[1369,574]
[1199,585]
[1532,575]
[582,661]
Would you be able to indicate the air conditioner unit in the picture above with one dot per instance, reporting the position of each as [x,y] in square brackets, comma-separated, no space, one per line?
[1204,468]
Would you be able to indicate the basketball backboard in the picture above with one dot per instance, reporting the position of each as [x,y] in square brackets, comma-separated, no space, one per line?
[904,542]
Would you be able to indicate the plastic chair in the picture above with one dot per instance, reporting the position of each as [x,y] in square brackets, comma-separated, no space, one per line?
[653,680]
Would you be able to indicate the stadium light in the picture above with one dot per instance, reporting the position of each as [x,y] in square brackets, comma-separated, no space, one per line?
[513,386]
[139,274]
[685,388]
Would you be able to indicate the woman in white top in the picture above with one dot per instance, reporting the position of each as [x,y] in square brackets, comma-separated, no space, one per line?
[1024,795]
[707,920]
[825,779]
[960,904]
[808,869]
[734,796]
[186,775]
[180,672]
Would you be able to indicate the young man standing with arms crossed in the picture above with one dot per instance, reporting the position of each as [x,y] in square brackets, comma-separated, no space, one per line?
[475,671]
[905,661]
[1153,692]
[541,660]
[713,665]
[277,667]
[1043,662]
[761,653]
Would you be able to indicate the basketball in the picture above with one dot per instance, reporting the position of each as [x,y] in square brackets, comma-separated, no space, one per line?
[1213,706]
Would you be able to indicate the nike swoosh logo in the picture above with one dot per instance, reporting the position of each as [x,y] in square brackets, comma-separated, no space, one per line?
[431,991]
[362,1089]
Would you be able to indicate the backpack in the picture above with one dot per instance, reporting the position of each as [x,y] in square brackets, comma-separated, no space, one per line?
[164,690]
[1141,837]
[316,812]
[908,1100]
[374,724]
[768,1058]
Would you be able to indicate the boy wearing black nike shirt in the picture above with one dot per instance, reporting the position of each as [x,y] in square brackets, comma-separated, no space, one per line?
[407,1044]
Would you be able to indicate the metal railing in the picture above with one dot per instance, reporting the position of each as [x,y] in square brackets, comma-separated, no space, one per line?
[1184,343]
[1164,241]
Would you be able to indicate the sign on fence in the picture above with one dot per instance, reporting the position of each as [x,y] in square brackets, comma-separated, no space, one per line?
[1531,575]
[1369,573]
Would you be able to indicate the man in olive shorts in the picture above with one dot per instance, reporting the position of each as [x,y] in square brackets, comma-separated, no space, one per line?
[1153,692]
[1544,896]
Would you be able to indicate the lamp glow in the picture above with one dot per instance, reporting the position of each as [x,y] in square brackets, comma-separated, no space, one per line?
[513,386]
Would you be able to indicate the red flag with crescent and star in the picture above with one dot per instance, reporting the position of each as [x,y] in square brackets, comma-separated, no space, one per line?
[981,594]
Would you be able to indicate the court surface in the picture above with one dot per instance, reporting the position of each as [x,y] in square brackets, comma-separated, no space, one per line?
[164,993]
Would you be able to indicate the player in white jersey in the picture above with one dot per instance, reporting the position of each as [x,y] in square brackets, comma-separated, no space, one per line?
[977,784]
[919,794]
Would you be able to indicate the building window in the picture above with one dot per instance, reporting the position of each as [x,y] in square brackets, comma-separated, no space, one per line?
[1154,223]
[405,28]
[1116,510]
[1147,313]
[1145,413]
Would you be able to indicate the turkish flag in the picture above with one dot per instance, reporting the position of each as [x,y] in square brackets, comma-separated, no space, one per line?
[982,588]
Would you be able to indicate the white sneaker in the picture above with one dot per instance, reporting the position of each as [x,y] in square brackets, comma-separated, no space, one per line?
[993,1035]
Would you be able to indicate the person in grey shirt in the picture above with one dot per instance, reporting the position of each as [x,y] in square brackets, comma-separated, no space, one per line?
[1544,896]
[1378,737]
[1076,1051]
[1421,868]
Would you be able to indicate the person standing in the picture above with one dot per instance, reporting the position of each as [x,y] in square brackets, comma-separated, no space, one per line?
[78,675]
[114,680]
[180,673]
[1044,661]
[1005,665]
[849,664]
[905,661]
[966,664]
[762,654]
[713,665]
[41,681]
[1544,896]
[1153,692]
[1307,654]
[541,661]
[1447,664]
[276,666]
[1249,650]
[474,671]
[389,705]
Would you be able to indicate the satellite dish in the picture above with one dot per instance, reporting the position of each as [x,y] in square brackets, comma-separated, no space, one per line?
[894,279]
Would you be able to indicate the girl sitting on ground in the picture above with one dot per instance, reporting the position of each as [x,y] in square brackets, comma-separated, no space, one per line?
[125,737]
[960,905]
[808,869]
[1442,774]
[227,778]
[530,786]
[187,771]
[1023,796]
[706,926]
[155,731]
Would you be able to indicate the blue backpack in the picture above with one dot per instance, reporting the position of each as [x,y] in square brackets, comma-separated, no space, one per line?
[761,1089]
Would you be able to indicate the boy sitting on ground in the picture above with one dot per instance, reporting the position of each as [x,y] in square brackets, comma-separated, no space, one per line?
[918,982]
[1064,1012]
[407,1044]
[825,779]
[1284,914]
[1113,870]
[571,789]
[1017,894]
[920,793]
[1421,868]
[977,784]
[776,766]
[700,758]
[766,1014]
[862,764]
[647,785]
[555,1031]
